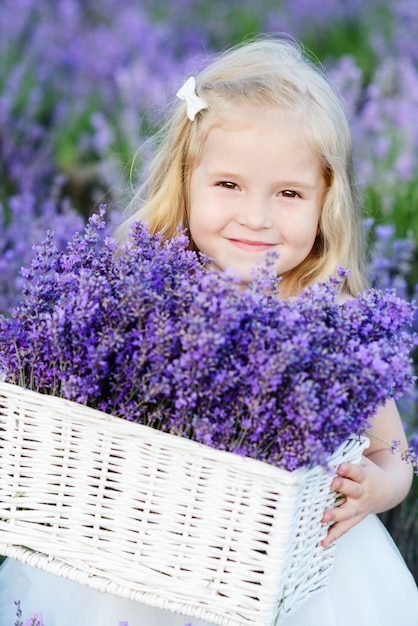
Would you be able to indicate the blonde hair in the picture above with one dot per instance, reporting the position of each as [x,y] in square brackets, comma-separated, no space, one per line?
[263,72]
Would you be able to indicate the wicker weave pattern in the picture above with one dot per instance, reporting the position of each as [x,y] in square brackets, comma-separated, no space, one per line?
[157,518]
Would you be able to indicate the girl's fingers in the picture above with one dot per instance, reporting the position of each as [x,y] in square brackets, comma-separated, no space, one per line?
[349,483]
[349,480]
[351,471]
[338,530]
[341,518]
[347,487]
[346,511]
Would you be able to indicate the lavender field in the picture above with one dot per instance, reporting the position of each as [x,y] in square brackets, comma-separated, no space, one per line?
[83,83]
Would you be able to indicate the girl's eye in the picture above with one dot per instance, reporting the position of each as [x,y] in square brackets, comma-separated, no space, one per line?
[288,193]
[227,184]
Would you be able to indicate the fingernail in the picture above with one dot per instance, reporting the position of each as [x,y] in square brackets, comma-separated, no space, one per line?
[336,483]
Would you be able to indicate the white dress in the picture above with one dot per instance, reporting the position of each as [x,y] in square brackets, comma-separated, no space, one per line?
[370,586]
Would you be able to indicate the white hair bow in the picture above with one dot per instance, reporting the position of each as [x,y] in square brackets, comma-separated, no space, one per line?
[194,103]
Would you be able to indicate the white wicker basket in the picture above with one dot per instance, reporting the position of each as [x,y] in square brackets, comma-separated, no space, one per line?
[157,518]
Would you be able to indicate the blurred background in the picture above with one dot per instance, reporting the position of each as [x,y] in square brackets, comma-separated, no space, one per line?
[83,83]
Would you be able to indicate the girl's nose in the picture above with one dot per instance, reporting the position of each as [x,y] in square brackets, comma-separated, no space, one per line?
[255,213]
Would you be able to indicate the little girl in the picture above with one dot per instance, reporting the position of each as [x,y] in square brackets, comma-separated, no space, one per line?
[256,157]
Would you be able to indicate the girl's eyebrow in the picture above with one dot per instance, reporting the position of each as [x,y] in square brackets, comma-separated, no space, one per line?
[221,173]
[297,183]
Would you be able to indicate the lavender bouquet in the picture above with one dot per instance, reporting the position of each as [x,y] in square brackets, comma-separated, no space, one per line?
[153,335]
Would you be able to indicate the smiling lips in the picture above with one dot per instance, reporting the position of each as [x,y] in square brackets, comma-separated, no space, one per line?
[252,246]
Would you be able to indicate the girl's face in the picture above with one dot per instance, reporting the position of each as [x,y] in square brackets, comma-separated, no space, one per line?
[258,187]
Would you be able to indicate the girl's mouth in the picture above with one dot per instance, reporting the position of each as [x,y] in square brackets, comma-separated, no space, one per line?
[252,246]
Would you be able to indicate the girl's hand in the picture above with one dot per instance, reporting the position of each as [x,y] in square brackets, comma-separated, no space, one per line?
[380,482]
[365,489]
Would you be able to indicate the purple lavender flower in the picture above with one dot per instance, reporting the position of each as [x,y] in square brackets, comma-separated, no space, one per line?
[411,454]
[18,621]
[154,336]
[33,620]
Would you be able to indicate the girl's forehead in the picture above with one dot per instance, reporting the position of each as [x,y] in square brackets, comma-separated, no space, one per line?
[268,118]
[237,115]
[261,141]
[264,122]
